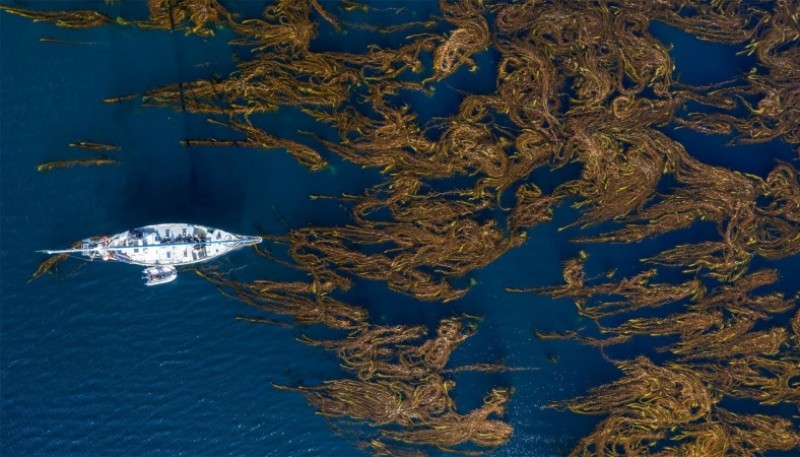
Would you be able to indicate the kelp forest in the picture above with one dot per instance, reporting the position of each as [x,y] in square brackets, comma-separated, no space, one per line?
[583,88]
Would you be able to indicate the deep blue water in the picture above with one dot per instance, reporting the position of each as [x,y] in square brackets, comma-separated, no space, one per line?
[94,363]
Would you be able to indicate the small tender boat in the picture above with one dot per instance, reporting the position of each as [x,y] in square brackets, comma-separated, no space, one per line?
[154,276]
[162,245]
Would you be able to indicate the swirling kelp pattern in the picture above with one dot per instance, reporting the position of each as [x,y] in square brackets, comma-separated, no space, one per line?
[579,82]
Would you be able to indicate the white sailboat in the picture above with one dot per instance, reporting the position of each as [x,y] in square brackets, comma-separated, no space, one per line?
[162,245]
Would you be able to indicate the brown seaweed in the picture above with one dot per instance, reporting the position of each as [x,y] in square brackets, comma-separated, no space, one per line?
[581,83]
[69,163]
[92,146]
[50,265]
[67,19]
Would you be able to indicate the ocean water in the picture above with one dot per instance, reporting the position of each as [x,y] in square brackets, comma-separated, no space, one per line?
[94,363]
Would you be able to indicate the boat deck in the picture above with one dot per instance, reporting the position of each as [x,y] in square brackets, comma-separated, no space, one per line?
[172,244]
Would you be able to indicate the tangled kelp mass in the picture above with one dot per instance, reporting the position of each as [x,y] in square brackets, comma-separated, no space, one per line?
[578,83]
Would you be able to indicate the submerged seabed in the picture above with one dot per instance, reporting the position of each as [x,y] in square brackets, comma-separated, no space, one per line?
[93,363]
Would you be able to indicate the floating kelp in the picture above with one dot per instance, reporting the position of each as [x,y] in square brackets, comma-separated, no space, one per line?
[580,83]
[452,429]
[727,433]
[643,407]
[399,372]
[425,411]
[632,294]
[379,402]
[305,303]
[195,16]
[719,351]
[399,382]
[769,381]
[68,19]
[733,201]
[51,263]
[69,163]
[470,37]
[62,41]
[92,146]
[257,138]
[452,250]
[369,351]
[651,403]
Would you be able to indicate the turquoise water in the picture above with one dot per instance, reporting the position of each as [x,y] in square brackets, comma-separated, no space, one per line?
[94,363]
